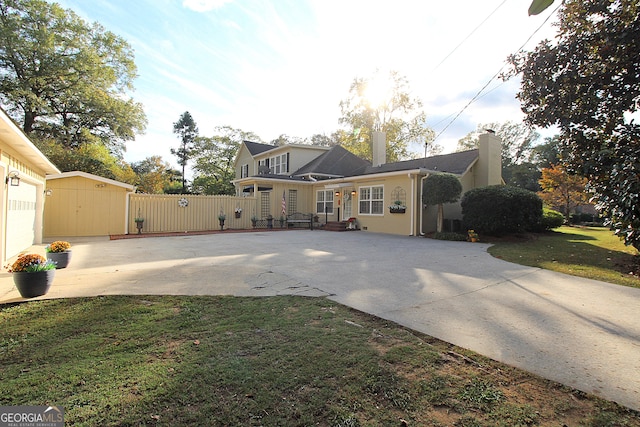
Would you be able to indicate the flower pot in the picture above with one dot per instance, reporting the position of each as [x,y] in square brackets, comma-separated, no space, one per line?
[139,226]
[221,223]
[33,284]
[60,258]
[238,214]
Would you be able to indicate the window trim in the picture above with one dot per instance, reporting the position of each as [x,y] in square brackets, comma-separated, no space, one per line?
[370,200]
[325,201]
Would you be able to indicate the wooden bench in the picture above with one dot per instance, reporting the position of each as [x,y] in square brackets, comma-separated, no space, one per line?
[300,218]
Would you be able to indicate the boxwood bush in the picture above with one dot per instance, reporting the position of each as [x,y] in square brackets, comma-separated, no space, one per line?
[551,219]
[500,209]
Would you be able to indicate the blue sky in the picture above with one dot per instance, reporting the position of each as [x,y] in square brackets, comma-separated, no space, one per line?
[283,66]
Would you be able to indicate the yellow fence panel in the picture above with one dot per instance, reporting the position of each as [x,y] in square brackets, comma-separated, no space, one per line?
[179,212]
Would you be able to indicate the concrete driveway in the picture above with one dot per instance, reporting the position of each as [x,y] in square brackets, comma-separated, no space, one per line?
[579,332]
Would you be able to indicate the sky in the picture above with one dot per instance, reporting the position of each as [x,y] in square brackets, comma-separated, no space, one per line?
[276,67]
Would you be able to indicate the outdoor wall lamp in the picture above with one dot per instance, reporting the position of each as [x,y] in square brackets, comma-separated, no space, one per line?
[14,178]
[337,194]
[48,192]
[353,192]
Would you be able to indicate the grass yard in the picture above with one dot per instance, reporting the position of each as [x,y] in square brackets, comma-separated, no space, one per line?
[279,361]
[591,252]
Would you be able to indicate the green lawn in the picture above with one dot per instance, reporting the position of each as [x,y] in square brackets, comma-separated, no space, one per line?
[591,252]
[279,361]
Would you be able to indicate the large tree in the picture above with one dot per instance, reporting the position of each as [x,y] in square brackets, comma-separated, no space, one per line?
[64,79]
[154,176]
[383,103]
[187,131]
[214,157]
[587,82]
[561,190]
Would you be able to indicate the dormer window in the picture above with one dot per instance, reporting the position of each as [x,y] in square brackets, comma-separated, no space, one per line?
[278,165]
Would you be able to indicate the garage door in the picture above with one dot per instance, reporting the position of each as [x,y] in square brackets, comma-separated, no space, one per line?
[21,218]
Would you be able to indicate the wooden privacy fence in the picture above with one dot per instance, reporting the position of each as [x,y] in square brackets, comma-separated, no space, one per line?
[180,212]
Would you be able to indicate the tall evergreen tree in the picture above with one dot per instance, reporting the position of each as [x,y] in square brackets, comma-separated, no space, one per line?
[187,131]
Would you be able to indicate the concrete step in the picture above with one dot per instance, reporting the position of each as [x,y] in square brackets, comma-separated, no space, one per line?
[336,226]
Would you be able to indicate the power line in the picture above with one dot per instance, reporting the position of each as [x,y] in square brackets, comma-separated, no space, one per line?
[477,95]
[469,35]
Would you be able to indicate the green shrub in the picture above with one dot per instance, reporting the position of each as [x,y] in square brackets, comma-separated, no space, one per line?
[500,209]
[457,237]
[551,219]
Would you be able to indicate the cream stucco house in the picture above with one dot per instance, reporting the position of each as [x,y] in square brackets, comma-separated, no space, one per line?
[336,185]
[23,169]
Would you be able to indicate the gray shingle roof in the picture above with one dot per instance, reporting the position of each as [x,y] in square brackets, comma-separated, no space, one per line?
[257,148]
[335,162]
[455,163]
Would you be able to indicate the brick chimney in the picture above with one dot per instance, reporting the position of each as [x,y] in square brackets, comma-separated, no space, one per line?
[379,148]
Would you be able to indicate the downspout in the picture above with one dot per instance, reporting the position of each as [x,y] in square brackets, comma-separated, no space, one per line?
[413,204]
[126,213]
[422,203]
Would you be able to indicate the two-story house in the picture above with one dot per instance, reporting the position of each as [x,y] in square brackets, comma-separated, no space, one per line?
[337,185]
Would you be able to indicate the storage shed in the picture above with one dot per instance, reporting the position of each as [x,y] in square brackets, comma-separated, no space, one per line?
[82,204]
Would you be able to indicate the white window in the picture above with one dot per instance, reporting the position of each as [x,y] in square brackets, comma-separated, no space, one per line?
[324,200]
[279,164]
[371,200]
[244,171]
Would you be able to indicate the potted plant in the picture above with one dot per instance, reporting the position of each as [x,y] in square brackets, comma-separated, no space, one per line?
[59,252]
[282,220]
[472,236]
[269,221]
[139,221]
[397,207]
[32,274]
[254,221]
[221,218]
[238,212]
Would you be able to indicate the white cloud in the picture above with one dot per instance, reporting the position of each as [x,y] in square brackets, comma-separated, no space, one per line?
[204,5]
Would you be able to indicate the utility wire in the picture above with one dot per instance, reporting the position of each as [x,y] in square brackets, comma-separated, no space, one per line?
[469,35]
[477,95]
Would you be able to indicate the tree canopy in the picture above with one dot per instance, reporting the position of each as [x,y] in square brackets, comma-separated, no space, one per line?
[518,140]
[214,157]
[64,79]
[438,189]
[155,176]
[382,103]
[587,82]
[562,191]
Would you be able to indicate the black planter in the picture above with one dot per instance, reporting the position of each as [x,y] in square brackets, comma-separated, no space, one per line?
[139,226]
[33,284]
[221,223]
[60,258]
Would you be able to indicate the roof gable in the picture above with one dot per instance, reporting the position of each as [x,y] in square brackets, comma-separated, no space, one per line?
[92,177]
[335,162]
[256,148]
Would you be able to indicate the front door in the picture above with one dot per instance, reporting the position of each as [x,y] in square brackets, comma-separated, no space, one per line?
[347,204]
